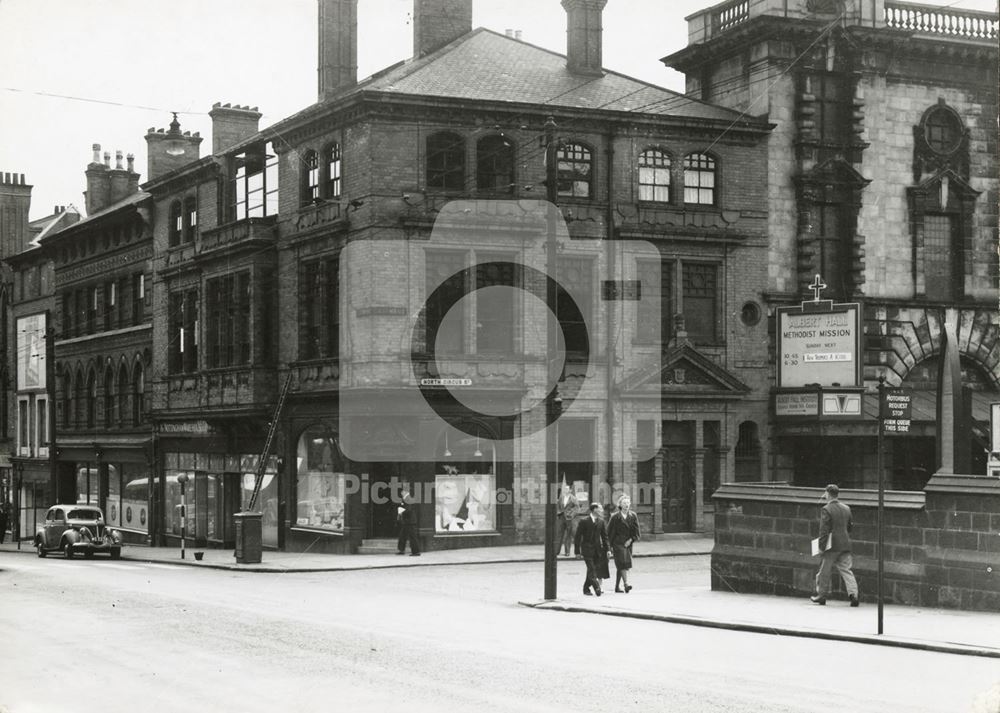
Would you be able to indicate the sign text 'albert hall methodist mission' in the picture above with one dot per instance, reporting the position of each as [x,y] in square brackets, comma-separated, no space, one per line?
[819,347]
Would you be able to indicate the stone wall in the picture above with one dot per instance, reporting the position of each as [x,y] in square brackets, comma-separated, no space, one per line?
[942,545]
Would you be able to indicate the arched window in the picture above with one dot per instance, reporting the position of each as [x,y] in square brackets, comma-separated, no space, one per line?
[190,218]
[176,224]
[332,187]
[79,399]
[138,396]
[123,393]
[699,179]
[575,166]
[67,400]
[91,399]
[495,164]
[654,176]
[109,397]
[445,162]
[310,178]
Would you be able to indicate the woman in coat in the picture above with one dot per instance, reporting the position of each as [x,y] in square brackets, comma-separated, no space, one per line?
[623,530]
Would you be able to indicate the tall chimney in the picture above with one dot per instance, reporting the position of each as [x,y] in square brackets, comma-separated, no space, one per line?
[167,151]
[98,193]
[133,177]
[583,36]
[338,46]
[438,22]
[231,125]
[15,202]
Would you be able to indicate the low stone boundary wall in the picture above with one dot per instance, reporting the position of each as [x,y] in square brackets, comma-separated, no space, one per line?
[942,544]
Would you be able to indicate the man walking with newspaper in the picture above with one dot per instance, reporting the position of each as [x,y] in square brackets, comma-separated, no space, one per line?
[835,526]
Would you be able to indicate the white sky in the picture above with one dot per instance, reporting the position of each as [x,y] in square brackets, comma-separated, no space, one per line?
[129,63]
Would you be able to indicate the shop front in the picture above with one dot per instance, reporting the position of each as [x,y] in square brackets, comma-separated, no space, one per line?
[459,482]
[112,475]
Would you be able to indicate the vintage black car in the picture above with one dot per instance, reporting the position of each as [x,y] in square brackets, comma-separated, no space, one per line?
[73,529]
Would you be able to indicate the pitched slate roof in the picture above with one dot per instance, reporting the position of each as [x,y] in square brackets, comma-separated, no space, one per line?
[487,66]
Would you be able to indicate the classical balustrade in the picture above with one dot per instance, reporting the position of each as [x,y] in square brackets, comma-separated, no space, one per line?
[727,16]
[952,22]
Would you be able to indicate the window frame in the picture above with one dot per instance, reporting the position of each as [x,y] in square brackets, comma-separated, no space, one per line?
[495,165]
[698,165]
[570,157]
[332,171]
[445,162]
[654,171]
[254,182]
[309,185]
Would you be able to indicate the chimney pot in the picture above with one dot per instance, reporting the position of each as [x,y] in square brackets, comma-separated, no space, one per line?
[517,34]
[118,160]
[509,32]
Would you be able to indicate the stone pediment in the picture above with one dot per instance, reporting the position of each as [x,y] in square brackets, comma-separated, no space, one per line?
[684,372]
[835,170]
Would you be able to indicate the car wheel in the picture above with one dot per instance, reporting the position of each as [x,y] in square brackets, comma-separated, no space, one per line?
[116,553]
[40,548]
[68,549]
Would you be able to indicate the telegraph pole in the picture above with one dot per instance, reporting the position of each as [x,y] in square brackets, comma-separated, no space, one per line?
[880,520]
[551,414]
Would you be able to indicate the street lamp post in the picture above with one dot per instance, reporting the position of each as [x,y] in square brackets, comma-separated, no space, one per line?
[183,479]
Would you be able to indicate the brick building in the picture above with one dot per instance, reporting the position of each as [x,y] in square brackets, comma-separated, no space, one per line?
[329,251]
[883,181]
[100,336]
[26,306]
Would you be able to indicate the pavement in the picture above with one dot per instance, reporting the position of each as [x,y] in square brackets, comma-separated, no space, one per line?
[940,630]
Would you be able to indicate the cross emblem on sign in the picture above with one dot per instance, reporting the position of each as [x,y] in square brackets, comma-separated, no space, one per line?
[817,286]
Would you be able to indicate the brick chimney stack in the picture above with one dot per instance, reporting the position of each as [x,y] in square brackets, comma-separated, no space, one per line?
[15,202]
[231,125]
[338,46]
[169,150]
[98,193]
[584,32]
[438,22]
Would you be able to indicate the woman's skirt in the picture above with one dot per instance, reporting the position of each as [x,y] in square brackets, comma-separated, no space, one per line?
[623,556]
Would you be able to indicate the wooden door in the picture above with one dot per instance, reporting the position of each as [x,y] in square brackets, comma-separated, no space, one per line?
[678,488]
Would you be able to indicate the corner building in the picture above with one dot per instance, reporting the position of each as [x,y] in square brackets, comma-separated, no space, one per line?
[345,251]
[882,179]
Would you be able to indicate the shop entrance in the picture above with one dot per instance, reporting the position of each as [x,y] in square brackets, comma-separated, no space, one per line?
[381,509]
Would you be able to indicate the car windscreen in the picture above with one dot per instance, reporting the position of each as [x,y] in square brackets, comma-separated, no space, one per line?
[84,515]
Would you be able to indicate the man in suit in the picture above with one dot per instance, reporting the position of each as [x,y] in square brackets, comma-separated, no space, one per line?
[566,509]
[592,539]
[406,518]
[835,522]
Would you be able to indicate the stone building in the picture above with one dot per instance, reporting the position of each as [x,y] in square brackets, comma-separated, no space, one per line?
[346,252]
[883,181]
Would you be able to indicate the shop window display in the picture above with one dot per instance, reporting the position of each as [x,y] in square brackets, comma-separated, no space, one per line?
[465,487]
[320,481]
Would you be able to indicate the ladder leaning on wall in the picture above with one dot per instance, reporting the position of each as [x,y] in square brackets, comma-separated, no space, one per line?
[268,442]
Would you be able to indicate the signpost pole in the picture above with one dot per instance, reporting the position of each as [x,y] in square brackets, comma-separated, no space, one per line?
[881,496]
